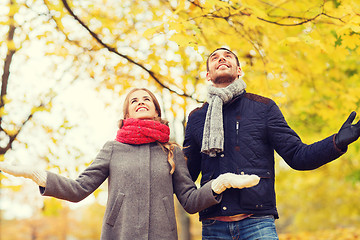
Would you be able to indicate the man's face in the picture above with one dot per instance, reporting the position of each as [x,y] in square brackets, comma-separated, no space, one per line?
[223,68]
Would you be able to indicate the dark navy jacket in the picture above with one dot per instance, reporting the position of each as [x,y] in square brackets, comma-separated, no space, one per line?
[253,128]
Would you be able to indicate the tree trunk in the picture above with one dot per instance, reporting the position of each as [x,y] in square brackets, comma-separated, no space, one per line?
[5,76]
[183,222]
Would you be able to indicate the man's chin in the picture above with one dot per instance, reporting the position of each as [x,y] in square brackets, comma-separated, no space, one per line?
[224,79]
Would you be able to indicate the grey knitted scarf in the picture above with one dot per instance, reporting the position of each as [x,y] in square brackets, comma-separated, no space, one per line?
[213,134]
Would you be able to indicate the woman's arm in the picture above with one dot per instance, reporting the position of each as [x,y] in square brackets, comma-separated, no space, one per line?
[54,185]
[86,183]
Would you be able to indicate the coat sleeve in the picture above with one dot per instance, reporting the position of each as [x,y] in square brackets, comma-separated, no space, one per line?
[289,146]
[192,152]
[86,183]
[190,197]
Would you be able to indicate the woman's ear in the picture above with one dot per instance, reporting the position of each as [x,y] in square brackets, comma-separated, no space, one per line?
[157,114]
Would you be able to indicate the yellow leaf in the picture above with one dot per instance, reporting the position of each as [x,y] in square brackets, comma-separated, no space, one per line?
[350,41]
[292,39]
[181,39]
[37,109]
[355,28]
[11,45]
[180,7]
[151,31]
[3,112]
[97,191]
[14,8]
[52,207]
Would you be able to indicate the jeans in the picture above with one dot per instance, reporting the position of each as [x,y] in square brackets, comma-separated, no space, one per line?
[251,228]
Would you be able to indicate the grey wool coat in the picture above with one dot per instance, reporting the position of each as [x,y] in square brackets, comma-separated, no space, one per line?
[140,190]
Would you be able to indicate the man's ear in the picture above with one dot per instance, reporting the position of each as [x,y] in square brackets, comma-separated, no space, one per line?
[240,72]
[208,76]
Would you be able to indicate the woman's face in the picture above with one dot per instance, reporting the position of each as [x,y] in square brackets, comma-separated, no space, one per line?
[141,106]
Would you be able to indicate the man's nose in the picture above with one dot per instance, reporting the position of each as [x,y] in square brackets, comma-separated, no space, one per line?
[221,59]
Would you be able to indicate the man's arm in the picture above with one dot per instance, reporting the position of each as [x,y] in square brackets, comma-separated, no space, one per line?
[297,154]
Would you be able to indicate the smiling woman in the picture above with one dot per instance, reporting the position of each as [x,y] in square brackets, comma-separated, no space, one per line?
[142,104]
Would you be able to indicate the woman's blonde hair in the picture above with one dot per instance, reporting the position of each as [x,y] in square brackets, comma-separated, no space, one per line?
[168,147]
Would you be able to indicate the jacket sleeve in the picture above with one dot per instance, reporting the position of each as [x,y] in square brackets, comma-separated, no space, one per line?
[192,152]
[86,183]
[190,197]
[289,146]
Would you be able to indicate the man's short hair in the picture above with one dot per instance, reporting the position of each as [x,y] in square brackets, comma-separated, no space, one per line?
[222,48]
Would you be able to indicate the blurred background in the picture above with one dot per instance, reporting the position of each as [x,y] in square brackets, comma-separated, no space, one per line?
[66,65]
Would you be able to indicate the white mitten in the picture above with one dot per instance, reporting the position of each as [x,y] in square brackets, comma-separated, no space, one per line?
[231,180]
[35,174]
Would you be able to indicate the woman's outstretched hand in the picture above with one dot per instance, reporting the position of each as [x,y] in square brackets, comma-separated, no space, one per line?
[231,180]
[35,174]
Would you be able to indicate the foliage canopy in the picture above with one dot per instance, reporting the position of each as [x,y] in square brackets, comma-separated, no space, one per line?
[303,54]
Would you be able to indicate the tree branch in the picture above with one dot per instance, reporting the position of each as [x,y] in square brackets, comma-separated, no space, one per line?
[7,63]
[290,25]
[113,50]
[12,137]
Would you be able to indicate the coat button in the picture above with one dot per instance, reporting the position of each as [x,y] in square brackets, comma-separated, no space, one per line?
[242,173]
[222,155]
[224,208]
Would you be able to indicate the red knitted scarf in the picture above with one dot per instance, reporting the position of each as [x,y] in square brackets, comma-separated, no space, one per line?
[137,131]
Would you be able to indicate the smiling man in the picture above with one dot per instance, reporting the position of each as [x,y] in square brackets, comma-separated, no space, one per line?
[238,132]
[222,68]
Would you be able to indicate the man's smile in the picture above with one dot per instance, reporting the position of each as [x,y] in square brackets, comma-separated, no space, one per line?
[223,64]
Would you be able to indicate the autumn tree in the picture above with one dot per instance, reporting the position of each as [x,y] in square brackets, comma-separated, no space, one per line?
[303,54]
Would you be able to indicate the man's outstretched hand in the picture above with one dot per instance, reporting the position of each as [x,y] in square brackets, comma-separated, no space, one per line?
[348,133]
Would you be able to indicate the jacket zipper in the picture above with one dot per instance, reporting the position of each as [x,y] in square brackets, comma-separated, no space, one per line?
[237,133]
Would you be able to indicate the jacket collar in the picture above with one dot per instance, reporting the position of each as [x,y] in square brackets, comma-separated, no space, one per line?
[235,99]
